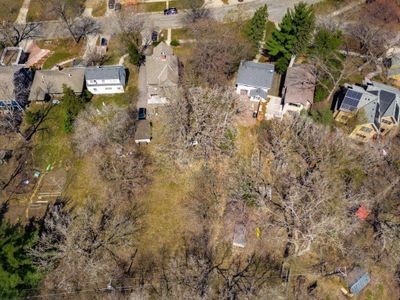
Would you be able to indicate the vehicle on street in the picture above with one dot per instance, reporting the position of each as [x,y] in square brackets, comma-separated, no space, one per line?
[142,113]
[111,4]
[170,11]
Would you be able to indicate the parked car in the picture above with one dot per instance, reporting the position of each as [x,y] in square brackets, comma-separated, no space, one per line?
[142,113]
[111,4]
[170,11]
[154,36]
[118,6]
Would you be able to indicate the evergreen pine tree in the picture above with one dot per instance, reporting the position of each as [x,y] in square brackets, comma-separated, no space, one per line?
[17,272]
[256,26]
[72,105]
[304,23]
[293,35]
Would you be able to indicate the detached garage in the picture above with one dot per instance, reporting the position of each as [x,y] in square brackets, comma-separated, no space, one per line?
[142,132]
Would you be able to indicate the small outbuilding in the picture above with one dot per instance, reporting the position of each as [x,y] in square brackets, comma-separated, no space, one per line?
[142,132]
[357,280]
[239,236]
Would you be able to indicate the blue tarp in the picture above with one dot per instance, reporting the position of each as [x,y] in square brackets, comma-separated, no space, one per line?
[360,284]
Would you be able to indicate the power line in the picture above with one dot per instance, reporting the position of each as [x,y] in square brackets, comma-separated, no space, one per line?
[110,288]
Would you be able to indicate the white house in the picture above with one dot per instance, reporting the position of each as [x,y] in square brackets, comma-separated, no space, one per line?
[105,79]
[254,80]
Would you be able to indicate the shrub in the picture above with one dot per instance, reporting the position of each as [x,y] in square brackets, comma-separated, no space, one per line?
[175,43]
[32,117]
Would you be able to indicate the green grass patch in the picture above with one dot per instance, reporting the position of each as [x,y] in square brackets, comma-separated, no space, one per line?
[51,143]
[62,49]
[9,9]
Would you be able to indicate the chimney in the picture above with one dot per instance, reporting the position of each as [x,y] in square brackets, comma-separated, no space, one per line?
[163,56]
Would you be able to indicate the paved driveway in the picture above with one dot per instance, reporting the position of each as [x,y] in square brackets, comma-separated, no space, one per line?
[142,87]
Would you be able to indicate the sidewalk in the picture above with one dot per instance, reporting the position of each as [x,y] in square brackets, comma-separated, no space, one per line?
[219,3]
[23,12]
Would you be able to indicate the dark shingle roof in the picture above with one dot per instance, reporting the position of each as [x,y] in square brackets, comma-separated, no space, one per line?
[255,74]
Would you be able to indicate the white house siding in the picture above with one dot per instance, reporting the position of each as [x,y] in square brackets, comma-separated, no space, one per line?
[106,89]
[244,90]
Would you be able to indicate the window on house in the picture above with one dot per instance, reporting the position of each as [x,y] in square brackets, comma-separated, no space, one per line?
[366,129]
[360,135]
[108,88]
[94,89]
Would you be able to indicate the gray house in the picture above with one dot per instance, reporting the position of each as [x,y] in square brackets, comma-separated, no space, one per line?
[162,73]
[15,83]
[48,84]
[105,79]
[254,80]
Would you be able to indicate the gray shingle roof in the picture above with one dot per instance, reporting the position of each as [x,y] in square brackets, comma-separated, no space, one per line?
[258,92]
[162,67]
[255,75]
[143,130]
[52,82]
[7,83]
[106,72]
[375,99]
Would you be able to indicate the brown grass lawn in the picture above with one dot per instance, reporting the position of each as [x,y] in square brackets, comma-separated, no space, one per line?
[99,7]
[166,218]
[9,9]
[38,13]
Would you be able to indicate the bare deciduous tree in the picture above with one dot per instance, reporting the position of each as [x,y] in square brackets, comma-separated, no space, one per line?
[314,179]
[205,123]
[99,127]
[83,27]
[374,41]
[217,54]
[196,11]
[95,58]
[70,12]
[11,34]
[90,246]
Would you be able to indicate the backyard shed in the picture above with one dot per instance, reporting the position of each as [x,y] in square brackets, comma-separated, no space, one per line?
[357,280]
[239,236]
[142,132]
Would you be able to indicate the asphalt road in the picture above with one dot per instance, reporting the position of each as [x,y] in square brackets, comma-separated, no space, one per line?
[109,24]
